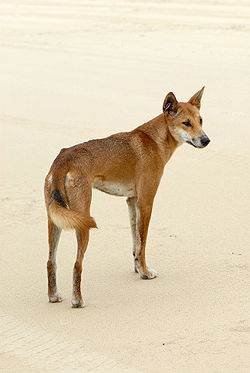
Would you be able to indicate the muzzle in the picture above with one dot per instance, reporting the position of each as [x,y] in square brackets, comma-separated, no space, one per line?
[201,142]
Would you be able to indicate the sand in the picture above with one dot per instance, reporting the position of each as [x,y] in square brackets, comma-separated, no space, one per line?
[75,70]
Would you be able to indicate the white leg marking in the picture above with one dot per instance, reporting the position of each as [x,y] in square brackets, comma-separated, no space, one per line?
[132,217]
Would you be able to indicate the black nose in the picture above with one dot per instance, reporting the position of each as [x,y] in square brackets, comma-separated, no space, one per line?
[205,140]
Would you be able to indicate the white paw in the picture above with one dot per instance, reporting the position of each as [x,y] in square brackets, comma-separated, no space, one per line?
[77,303]
[149,274]
[55,298]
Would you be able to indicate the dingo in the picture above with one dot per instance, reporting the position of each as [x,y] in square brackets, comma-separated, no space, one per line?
[128,164]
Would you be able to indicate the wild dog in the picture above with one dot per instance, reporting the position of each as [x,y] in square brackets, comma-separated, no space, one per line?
[128,164]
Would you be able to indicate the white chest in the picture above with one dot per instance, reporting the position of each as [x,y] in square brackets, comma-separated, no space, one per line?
[116,189]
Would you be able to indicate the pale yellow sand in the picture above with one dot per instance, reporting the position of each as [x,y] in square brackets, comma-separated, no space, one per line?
[74,70]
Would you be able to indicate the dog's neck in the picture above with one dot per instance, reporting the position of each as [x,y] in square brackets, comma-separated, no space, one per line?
[157,129]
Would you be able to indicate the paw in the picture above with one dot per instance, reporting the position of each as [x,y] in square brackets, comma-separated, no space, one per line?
[55,298]
[148,274]
[77,303]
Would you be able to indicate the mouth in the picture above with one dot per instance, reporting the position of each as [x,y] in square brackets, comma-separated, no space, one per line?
[190,143]
[202,143]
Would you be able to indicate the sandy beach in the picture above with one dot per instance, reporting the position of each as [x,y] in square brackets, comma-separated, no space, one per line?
[75,70]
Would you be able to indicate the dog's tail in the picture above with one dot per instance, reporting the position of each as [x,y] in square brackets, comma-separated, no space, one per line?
[60,213]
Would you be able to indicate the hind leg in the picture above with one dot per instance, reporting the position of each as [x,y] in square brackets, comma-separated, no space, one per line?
[82,243]
[79,193]
[54,234]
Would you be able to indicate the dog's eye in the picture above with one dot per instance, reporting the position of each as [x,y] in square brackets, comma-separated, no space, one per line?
[187,123]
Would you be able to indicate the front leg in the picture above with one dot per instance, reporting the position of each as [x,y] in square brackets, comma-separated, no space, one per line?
[143,215]
[132,219]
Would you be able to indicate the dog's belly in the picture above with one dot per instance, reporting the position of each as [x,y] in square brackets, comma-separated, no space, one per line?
[115,188]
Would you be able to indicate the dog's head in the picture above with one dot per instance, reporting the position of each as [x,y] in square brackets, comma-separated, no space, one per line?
[184,120]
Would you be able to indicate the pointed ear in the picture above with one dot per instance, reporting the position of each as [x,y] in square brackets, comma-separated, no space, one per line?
[196,98]
[170,103]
